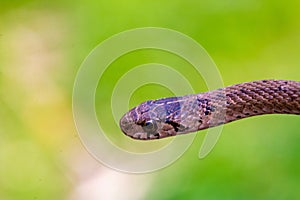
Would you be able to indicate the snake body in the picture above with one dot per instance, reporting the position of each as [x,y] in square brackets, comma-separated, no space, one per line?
[171,116]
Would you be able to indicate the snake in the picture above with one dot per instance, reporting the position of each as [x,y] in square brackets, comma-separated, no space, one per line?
[161,118]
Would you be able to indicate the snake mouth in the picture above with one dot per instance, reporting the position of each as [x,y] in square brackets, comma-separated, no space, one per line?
[142,132]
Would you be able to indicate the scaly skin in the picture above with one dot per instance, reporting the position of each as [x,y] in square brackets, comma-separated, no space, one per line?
[165,117]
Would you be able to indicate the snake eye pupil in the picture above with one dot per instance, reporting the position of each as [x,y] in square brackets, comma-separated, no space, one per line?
[149,126]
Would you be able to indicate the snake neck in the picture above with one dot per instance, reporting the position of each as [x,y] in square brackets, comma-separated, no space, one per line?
[262,97]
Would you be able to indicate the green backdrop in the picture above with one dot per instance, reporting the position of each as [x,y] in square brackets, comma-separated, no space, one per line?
[42,45]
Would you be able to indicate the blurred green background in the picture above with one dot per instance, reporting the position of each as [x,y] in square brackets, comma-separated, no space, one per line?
[43,43]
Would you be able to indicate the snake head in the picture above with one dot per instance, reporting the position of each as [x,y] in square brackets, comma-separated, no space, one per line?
[148,121]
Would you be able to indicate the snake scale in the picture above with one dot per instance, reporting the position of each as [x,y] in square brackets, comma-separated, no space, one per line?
[171,116]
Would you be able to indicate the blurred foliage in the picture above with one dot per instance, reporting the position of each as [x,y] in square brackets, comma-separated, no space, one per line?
[43,43]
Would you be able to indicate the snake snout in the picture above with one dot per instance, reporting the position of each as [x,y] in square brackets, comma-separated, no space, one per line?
[129,127]
[126,125]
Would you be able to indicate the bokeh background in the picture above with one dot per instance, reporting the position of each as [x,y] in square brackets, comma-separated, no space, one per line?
[43,43]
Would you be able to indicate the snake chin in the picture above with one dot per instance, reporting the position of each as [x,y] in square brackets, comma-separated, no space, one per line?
[145,136]
[140,135]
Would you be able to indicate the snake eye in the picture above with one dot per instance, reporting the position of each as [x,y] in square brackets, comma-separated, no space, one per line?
[149,126]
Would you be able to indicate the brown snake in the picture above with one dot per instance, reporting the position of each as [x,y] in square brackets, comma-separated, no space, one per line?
[171,116]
